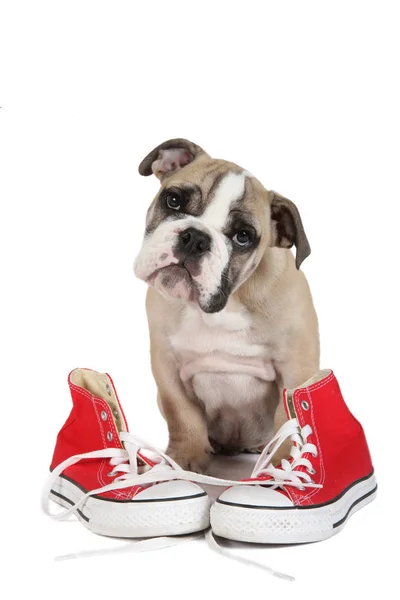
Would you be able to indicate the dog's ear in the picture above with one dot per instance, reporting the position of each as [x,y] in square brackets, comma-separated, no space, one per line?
[169,157]
[287,227]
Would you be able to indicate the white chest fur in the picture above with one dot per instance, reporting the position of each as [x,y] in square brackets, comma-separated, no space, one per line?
[228,372]
[226,332]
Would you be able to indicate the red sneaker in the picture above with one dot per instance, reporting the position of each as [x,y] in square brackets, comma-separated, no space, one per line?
[116,484]
[309,497]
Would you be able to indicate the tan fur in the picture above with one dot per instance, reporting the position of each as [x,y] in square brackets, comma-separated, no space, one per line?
[277,297]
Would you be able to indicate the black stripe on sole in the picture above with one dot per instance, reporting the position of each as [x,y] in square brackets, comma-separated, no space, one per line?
[133,500]
[70,502]
[308,507]
[338,523]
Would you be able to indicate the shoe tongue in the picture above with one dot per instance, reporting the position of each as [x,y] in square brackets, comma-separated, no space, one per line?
[288,403]
[101,386]
[288,397]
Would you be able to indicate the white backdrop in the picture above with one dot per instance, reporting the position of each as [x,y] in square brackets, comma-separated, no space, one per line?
[305,95]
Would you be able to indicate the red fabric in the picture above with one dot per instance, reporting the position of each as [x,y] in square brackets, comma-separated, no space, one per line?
[85,431]
[343,454]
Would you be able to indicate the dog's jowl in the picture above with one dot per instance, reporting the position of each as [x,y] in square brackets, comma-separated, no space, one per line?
[231,316]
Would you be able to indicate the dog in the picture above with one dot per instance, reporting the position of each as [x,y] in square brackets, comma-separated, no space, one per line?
[231,317]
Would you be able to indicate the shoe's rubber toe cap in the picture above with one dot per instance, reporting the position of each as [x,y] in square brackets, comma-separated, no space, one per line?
[249,513]
[171,490]
[168,508]
[254,496]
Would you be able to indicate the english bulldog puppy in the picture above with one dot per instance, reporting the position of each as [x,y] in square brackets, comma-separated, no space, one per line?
[230,314]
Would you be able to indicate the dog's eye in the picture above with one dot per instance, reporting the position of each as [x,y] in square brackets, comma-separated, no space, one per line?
[242,237]
[173,201]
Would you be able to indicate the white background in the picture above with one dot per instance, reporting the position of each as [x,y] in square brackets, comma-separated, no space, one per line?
[303,94]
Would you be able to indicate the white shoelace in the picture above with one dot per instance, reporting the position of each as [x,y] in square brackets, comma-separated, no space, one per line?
[126,462]
[287,474]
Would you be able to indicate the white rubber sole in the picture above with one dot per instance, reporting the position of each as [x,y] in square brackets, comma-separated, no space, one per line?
[135,518]
[290,525]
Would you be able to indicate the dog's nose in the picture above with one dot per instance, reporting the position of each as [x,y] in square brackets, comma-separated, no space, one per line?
[194,242]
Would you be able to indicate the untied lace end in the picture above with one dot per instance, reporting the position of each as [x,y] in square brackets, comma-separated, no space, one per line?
[213,544]
[145,545]
[160,543]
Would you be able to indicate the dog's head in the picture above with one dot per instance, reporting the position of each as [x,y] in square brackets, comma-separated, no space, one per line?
[209,226]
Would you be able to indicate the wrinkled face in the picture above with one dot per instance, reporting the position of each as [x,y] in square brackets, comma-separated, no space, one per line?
[202,235]
[209,226]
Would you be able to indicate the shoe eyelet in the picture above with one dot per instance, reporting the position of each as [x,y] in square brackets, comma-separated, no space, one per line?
[108,389]
[109,436]
[312,471]
[305,405]
[104,415]
[302,488]
[314,455]
[110,474]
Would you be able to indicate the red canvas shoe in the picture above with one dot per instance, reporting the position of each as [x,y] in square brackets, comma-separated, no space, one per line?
[116,484]
[309,497]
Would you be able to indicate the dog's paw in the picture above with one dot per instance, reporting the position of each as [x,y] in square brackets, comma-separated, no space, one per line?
[191,459]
